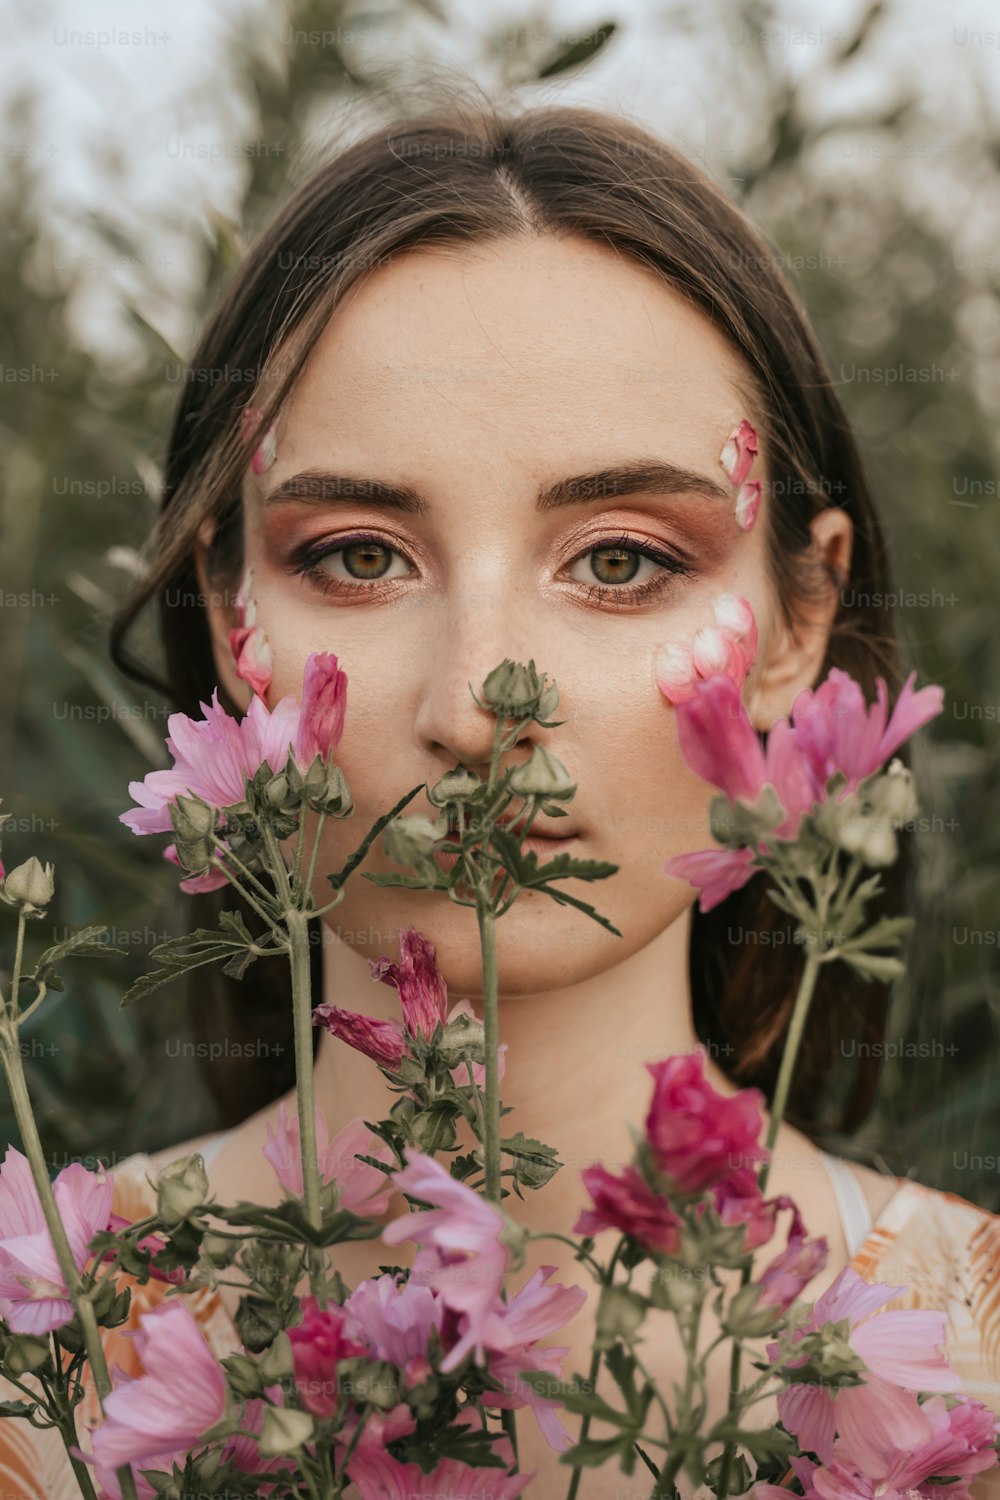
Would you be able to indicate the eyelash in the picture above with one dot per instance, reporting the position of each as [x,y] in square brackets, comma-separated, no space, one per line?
[308,561]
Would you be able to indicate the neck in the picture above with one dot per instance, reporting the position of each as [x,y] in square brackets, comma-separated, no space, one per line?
[575,1061]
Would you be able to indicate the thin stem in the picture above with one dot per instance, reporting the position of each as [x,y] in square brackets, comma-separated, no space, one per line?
[491,1029]
[311,872]
[10,1055]
[595,1365]
[800,1014]
[298,933]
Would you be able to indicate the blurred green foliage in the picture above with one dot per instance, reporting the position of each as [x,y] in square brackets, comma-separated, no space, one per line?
[82,437]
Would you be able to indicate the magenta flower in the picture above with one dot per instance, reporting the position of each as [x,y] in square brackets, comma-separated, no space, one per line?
[627,1203]
[698,1135]
[318,1342]
[248,641]
[424,1000]
[162,1414]
[363,1188]
[831,729]
[33,1294]
[904,1353]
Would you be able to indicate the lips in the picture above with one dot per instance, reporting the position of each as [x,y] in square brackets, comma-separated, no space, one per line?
[514,823]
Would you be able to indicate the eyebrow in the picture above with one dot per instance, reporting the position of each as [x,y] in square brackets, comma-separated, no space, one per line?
[639,477]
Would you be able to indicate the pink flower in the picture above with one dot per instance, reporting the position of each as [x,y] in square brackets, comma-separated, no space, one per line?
[903,1351]
[698,1135]
[790,1272]
[33,1294]
[831,729]
[249,643]
[462,1257]
[739,452]
[533,1313]
[728,647]
[626,1202]
[424,1000]
[394,1320]
[318,1342]
[215,755]
[748,503]
[363,1188]
[161,1415]
[380,1476]
[463,1260]
[266,451]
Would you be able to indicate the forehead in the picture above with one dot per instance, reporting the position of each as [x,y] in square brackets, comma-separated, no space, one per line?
[532,341]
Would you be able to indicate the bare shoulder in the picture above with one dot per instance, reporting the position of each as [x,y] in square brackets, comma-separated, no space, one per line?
[877,1187]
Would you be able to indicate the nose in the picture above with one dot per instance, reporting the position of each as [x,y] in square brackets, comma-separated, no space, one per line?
[477,631]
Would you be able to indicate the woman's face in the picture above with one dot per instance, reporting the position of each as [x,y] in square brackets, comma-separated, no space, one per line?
[476,379]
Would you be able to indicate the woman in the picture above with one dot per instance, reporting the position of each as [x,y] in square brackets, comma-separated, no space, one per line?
[499,355]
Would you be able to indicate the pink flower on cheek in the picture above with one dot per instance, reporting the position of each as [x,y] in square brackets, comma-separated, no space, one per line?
[727,648]
[266,451]
[248,642]
[737,458]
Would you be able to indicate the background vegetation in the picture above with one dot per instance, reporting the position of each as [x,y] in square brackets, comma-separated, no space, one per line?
[881,203]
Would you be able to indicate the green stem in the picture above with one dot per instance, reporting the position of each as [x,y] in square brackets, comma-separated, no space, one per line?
[10,1055]
[796,1030]
[311,872]
[298,934]
[595,1365]
[491,1030]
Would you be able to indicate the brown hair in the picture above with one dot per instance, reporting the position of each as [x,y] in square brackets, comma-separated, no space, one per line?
[474,171]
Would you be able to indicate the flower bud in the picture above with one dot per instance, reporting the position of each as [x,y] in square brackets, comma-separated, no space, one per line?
[280,794]
[329,792]
[542,776]
[276,1362]
[219,1250]
[26,1354]
[30,886]
[409,839]
[893,794]
[512,689]
[284,1430]
[548,701]
[463,1040]
[181,1187]
[194,856]
[619,1315]
[192,817]
[454,786]
[244,1376]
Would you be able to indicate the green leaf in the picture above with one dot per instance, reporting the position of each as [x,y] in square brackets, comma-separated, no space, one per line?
[195,949]
[595,1451]
[578,53]
[17,1408]
[575,1397]
[355,859]
[875,966]
[888,932]
[82,944]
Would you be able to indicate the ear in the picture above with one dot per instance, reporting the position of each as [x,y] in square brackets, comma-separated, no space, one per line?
[793,657]
[222,616]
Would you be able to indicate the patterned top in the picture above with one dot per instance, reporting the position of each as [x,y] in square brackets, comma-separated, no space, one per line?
[944,1249]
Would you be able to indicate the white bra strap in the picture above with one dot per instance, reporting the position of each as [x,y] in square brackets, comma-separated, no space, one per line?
[855,1214]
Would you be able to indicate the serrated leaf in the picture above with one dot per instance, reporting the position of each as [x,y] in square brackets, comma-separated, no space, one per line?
[875,965]
[192,951]
[82,944]
[355,859]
